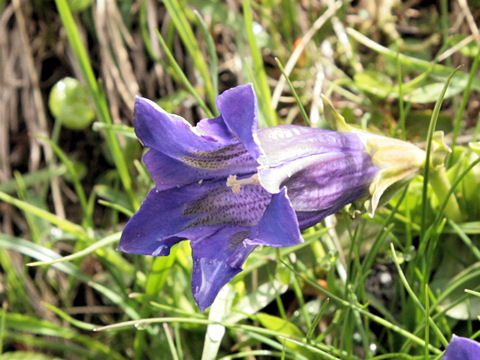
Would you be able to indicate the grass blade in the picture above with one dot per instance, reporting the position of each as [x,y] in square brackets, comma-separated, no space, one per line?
[177,12]
[292,89]
[43,254]
[63,224]
[182,76]
[97,95]
[261,84]
[75,179]
[88,250]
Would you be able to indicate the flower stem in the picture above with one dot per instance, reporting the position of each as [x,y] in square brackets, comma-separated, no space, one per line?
[441,186]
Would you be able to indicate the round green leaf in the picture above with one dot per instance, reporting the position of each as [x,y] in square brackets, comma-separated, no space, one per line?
[68,102]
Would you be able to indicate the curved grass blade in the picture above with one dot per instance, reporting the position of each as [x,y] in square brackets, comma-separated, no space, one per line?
[465,97]
[181,75]
[415,299]
[48,216]
[77,323]
[418,64]
[364,312]
[212,53]
[33,178]
[431,129]
[125,130]
[75,178]
[43,254]
[292,89]
[88,250]
[25,323]
[177,12]
[116,207]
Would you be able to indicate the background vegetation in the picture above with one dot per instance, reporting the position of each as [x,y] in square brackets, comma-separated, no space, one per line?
[388,287]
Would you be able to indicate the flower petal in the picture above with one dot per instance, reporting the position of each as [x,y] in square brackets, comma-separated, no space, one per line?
[211,267]
[208,277]
[193,211]
[278,226]
[173,135]
[286,143]
[220,206]
[219,257]
[160,223]
[321,182]
[320,168]
[310,218]
[206,151]
[238,107]
[168,172]
[461,348]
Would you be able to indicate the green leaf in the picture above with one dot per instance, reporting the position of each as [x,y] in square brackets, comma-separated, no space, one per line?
[455,287]
[475,147]
[68,102]
[171,101]
[411,62]
[80,324]
[470,228]
[125,130]
[289,329]
[431,92]
[258,299]
[73,170]
[113,196]
[278,324]
[33,177]
[374,82]
[471,49]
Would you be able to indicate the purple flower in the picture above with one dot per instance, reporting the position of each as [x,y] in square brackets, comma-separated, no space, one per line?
[227,186]
[461,348]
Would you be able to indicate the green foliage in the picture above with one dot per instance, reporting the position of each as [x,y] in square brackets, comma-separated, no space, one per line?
[79,5]
[397,285]
[68,102]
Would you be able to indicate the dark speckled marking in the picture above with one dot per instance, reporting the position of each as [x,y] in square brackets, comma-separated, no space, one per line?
[221,207]
[230,156]
[237,238]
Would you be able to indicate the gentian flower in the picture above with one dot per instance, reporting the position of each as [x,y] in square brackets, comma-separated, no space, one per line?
[228,187]
[461,348]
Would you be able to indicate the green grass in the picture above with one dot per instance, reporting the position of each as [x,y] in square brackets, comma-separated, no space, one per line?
[68,293]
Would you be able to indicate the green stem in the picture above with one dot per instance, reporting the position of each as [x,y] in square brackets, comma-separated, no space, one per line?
[411,62]
[441,186]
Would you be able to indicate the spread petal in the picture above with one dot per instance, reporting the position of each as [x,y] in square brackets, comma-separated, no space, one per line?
[461,348]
